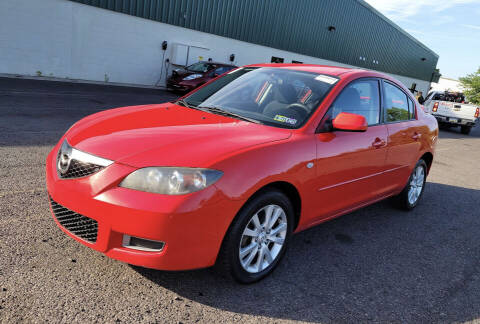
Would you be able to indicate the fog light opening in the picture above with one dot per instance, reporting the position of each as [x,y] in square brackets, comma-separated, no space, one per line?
[142,244]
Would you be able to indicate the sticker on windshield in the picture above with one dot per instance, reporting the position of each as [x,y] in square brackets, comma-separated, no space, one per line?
[284,119]
[326,79]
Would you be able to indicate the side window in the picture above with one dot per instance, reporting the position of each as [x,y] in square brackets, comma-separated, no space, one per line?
[411,109]
[359,97]
[396,104]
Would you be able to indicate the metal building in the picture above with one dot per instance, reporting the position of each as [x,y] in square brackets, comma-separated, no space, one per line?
[119,40]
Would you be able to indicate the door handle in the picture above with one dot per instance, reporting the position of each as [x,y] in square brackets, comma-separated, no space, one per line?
[416,136]
[379,143]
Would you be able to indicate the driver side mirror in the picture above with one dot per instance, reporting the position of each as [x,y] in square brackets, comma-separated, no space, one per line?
[350,122]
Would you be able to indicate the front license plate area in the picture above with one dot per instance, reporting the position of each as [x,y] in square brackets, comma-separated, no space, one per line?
[453,120]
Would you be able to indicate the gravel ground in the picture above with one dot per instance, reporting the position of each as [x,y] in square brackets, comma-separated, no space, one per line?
[374,265]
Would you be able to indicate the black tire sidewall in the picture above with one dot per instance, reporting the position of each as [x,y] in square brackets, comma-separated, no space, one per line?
[232,240]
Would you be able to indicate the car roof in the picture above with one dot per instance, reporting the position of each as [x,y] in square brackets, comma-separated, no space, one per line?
[216,63]
[320,69]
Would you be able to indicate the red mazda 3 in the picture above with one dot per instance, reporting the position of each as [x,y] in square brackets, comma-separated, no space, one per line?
[227,173]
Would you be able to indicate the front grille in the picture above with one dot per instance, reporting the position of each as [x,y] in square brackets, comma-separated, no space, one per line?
[73,163]
[79,169]
[79,225]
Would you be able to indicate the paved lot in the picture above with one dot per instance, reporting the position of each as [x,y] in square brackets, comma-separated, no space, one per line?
[377,264]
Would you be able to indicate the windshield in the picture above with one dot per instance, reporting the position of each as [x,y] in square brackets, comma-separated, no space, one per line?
[273,96]
[198,67]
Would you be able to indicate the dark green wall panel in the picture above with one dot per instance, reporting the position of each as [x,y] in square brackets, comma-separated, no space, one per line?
[299,26]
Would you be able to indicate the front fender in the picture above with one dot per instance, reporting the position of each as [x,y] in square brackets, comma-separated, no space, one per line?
[247,172]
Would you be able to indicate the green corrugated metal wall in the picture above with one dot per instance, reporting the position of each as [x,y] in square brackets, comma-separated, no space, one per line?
[299,26]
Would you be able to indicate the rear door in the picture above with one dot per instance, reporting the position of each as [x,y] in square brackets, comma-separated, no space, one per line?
[350,165]
[404,134]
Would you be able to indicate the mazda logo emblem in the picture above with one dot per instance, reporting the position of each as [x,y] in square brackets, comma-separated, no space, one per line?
[63,162]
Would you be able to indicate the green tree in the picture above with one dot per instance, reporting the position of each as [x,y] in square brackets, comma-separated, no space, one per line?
[471,83]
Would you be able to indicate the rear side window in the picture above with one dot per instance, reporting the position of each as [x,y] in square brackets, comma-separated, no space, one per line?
[396,104]
[360,97]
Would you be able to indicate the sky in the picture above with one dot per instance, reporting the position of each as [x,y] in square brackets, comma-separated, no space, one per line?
[451,28]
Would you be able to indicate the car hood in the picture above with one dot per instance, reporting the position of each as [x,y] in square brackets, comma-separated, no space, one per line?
[167,135]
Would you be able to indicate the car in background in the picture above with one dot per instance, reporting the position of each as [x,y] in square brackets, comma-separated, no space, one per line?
[226,174]
[452,110]
[196,75]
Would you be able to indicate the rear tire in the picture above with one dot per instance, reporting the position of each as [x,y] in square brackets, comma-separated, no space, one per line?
[466,129]
[413,191]
[264,223]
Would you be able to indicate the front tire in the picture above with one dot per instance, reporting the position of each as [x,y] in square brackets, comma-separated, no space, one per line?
[257,238]
[413,191]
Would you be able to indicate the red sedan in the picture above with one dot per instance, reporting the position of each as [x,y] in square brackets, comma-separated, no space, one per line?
[227,173]
[196,75]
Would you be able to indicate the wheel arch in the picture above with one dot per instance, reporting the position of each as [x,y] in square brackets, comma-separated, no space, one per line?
[289,190]
[428,158]
[285,187]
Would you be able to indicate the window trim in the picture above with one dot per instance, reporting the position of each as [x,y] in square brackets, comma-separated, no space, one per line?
[384,106]
[414,111]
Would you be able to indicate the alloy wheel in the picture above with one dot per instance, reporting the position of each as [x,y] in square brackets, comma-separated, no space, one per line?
[263,238]
[416,184]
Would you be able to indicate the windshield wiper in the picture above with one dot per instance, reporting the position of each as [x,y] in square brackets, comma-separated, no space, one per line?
[186,104]
[220,111]
[183,103]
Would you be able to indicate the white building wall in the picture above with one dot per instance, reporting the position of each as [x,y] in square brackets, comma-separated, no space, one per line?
[65,39]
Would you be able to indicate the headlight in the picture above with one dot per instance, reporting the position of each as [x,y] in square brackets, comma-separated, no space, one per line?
[170,180]
[192,77]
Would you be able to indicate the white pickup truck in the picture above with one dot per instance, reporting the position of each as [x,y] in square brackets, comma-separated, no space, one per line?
[450,109]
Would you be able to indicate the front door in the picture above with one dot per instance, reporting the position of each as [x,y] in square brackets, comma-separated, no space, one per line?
[350,165]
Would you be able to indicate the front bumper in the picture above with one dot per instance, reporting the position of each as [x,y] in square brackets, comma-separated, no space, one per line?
[192,226]
[184,86]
